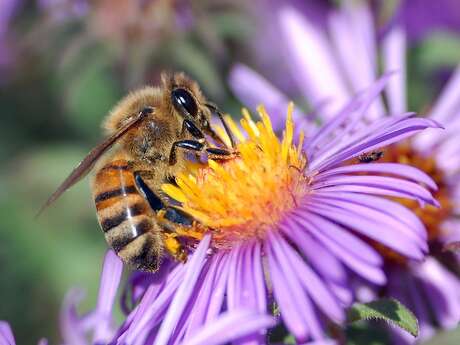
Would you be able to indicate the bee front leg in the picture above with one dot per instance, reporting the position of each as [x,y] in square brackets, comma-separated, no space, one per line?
[191,145]
[198,145]
[213,108]
[194,145]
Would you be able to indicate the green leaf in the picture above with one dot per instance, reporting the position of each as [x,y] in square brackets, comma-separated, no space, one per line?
[386,309]
[365,333]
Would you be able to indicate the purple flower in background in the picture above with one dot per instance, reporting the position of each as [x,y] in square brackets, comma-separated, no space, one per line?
[330,65]
[423,17]
[267,35]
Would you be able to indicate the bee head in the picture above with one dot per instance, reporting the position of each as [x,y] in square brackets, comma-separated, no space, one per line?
[187,99]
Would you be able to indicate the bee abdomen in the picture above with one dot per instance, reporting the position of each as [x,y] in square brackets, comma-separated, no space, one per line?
[126,218]
[112,221]
[145,252]
[137,241]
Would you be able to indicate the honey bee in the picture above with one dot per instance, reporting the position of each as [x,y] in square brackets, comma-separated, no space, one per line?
[370,157]
[153,129]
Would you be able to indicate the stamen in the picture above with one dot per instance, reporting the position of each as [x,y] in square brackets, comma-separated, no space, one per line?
[245,197]
[431,216]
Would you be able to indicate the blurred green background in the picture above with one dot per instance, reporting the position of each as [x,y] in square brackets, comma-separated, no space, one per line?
[63,64]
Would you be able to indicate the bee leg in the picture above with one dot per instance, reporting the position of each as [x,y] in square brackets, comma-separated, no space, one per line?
[170,213]
[219,153]
[192,145]
[174,247]
[170,218]
[189,126]
[155,202]
[178,216]
[219,114]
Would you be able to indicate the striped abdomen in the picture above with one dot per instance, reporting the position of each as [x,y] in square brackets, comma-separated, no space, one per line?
[126,217]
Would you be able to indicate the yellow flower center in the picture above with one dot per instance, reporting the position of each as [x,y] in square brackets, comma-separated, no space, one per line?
[244,197]
[431,216]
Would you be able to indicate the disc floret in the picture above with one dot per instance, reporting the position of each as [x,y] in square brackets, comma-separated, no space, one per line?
[245,197]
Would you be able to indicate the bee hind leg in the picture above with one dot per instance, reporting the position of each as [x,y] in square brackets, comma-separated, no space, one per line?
[174,247]
[178,216]
[170,219]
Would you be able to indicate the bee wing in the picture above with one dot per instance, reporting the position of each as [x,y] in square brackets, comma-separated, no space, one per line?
[85,166]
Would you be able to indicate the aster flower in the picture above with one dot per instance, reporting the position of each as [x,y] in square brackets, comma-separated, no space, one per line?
[7,337]
[264,216]
[97,326]
[352,35]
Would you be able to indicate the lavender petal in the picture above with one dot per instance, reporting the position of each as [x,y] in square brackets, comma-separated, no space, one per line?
[394,58]
[231,326]
[306,308]
[327,264]
[253,90]
[410,189]
[183,292]
[287,296]
[357,204]
[110,280]
[397,169]
[6,334]
[318,291]
[341,251]
[316,72]
[394,209]
[152,306]
[200,308]
[370,228]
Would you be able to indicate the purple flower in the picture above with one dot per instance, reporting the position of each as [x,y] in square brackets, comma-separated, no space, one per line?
[429,290]
[264,217]
[97,326]
[344,62]
[267,35]
[7,337]
[422,17]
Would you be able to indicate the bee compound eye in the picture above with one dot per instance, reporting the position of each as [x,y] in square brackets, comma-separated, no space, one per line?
[183,101]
